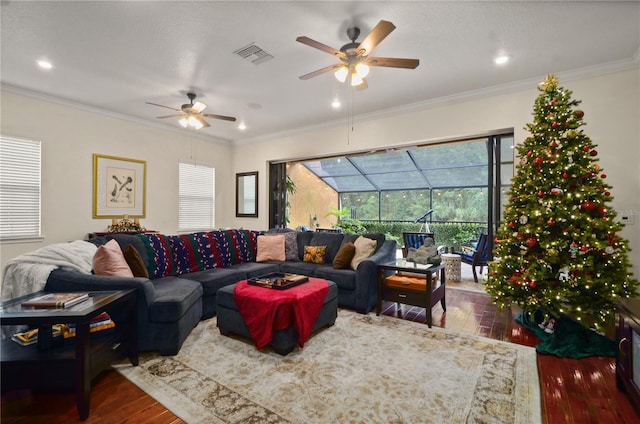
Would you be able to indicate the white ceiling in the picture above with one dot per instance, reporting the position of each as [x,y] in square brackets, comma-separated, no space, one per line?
[116,55]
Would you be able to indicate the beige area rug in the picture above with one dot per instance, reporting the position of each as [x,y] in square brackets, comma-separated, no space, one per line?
[364,369]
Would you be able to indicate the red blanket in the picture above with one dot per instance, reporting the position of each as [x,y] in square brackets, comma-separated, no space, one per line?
[267,310]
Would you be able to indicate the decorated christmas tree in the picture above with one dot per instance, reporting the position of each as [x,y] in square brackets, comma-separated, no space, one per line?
[559,249]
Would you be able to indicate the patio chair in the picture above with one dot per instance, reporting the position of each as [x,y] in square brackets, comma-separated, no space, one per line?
[413,239]
[477,256]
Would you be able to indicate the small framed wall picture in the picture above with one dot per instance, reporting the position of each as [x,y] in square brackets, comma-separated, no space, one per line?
[119,187]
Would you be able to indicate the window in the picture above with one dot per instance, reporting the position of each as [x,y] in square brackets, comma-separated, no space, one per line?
[196,197]
[19,189]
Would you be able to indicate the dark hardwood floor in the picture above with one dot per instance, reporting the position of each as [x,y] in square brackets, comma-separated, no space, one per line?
[572,390]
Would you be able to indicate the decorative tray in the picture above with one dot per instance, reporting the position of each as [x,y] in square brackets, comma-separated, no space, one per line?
[278,280]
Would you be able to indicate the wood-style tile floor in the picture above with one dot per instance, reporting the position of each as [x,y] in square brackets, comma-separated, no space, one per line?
[573,391]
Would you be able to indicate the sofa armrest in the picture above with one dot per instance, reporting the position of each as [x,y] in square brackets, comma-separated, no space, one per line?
[66,280]
[367,276]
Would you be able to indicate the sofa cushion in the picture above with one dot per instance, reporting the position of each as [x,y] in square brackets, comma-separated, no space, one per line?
[344,278]
[303,239]
[271,248]
[315,254]
[109,260]
[257,269]
[302,268]
[213,279]
[333,241]
[173,298]
[365,247]
[344,256]
[135,262]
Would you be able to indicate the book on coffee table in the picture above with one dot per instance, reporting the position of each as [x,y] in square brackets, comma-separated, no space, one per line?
[56,300]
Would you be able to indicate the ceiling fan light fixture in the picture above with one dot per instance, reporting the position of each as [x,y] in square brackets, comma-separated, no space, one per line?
[362,69]
[184,122]
[341,73]
[356,79]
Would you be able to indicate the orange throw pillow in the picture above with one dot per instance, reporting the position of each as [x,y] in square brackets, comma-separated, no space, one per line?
[271,248]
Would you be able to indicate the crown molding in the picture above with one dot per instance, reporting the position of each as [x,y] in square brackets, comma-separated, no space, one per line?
[496,90]
[116,115]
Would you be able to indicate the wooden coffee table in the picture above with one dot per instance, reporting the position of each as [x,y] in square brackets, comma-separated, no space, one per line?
[71,362]
[426,297]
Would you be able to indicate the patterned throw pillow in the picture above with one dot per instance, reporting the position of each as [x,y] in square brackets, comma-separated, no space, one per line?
[315,254]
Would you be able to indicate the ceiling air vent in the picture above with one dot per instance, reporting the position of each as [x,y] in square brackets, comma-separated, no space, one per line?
[255,54]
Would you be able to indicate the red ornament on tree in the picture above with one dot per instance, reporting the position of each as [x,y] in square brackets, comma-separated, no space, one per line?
[553,144]
[551,222]
[593,152]
[541,193]
[588,205]
[555,124]
[565,175]
[578,114]
[603,175]
[512,224]
[538,161]
[585,148]
[602,211]
[532,242]
[530,153]
[584,248]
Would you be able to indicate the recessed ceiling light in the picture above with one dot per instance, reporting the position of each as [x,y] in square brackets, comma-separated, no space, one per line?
[501,60]
[45,64]
[242,126]
[335,104]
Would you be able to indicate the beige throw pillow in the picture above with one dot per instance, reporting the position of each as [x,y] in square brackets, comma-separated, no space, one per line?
[271,248]
[364,248]
[109,260]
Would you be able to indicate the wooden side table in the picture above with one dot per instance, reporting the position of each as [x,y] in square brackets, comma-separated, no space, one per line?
[72,362]
[425,298]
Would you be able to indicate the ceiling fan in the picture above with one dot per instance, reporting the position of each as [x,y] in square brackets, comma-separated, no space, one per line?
[355,58]
[191,113]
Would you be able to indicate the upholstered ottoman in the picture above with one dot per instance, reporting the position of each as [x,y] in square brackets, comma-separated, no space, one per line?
[230,321]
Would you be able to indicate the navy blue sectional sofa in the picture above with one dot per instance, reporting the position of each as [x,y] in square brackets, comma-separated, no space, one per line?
[186,272]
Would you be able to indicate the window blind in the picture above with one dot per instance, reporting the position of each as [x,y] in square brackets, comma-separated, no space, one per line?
[19,188]
[196,197]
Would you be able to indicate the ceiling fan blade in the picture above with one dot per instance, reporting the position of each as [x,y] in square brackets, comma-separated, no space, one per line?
[205,124]
[374,38]
[155,104]
[321,71]
[393,62]
[224,118]
[318,45]
[170,116]
[198,107]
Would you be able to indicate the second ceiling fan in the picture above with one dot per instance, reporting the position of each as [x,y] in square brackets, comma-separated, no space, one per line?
[355,58]
[191,113]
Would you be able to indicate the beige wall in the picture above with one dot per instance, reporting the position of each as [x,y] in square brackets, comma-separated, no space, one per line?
[611,106]
[70,136]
